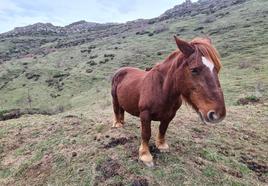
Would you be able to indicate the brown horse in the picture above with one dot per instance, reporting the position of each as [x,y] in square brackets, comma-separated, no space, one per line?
[190,73]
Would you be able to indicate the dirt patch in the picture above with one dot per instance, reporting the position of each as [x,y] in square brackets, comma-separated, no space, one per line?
[114,142]
[249,133]
[140,182]
[258,167]
[16,113]
[248,100]
[11,160]
[133,151]
[40,170]
[232,172]
[72,121]
[109,168]
[226,151]
[154,150]
[113,138]
[201,162]
[199,134]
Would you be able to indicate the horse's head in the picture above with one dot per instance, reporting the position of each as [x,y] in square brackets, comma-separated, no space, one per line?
[201,86]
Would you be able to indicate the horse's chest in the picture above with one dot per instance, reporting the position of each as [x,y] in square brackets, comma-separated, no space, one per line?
[165,110]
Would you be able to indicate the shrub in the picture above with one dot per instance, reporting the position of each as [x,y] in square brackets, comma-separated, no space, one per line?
[93,57]
[89,70]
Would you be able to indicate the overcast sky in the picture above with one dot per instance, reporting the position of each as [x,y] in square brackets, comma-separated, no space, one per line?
[14,13]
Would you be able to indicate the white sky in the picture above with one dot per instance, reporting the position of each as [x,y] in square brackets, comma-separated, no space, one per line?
[14,13]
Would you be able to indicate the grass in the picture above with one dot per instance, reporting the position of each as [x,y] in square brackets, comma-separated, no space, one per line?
[234,47]
[199,156]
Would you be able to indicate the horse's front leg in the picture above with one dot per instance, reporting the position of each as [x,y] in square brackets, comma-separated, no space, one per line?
[144,152]
[161,143]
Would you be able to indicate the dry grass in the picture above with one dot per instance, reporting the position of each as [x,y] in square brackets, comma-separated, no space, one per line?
[82,149]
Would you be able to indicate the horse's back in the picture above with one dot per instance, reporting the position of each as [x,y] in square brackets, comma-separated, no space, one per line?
[127,74]
[126,85]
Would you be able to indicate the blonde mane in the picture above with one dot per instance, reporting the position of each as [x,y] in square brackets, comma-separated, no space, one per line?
[208,51]
[205,48]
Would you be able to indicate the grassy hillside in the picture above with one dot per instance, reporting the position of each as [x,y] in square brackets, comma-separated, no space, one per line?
[239,33]
[78,146]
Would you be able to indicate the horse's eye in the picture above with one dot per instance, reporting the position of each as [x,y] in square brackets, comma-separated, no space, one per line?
[194,71]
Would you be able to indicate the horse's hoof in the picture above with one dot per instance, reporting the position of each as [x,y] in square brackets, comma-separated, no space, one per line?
[163,147]
[149,164]
[117,125]
[147,159]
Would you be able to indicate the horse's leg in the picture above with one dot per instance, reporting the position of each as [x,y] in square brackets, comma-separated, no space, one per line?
[144,152]
[160,141]
[118,113]
[122,115]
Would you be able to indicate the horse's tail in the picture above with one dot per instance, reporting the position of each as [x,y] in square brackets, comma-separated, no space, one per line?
[118,76]
[114,86]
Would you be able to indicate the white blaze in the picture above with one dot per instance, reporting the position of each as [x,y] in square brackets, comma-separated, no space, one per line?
[208,63]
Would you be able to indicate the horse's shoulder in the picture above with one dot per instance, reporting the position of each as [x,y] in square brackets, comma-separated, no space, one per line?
[155,74]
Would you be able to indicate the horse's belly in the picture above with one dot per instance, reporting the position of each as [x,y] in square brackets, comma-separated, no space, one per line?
[128,93]
[129,100]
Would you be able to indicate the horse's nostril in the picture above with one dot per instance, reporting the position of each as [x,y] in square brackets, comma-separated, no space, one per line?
[212,116]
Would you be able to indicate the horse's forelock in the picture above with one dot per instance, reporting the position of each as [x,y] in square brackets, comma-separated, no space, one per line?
[205,48]
[208,51]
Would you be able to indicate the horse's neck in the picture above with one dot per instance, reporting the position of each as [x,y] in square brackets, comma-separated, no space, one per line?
[169,63]
[170,70]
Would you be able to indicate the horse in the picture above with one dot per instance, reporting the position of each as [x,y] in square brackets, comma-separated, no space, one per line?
[188,74]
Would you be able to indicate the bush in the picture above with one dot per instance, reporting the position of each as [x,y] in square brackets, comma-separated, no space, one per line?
[159,53]
[89,70]
[91,63]
[33,76]
[93,57]
[109,55]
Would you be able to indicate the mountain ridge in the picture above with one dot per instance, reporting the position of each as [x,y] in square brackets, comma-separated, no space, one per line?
[183,9]
[32,40]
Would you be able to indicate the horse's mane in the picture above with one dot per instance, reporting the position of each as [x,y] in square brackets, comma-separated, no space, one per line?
[208,51]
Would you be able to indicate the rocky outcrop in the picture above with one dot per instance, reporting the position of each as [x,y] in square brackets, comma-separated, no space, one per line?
[35,29]
[201,7]
[42,29]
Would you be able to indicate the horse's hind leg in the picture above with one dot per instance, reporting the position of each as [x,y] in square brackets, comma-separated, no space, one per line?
[118,113]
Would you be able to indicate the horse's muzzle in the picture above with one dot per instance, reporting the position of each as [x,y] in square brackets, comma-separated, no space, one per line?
[211,117]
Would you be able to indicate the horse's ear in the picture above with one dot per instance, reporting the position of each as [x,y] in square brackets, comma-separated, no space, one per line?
[186,48]
[208,39]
